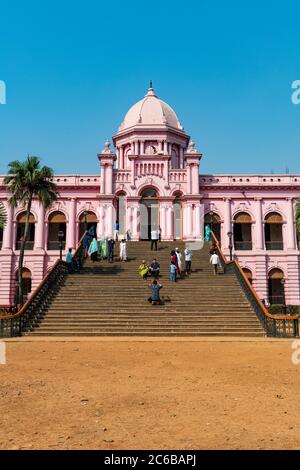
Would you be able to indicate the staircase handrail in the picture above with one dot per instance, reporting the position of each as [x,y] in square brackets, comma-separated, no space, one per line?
[274,324]
[59,268]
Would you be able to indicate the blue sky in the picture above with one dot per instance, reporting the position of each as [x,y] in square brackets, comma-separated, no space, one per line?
[72,69]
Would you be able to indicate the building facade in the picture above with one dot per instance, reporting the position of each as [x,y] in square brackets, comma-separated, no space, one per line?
[153,179]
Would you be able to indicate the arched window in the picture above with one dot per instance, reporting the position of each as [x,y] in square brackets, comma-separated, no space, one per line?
[21,221]
[214,221]
[242,231]
[87,221]
[248,274]
[276,287]
[149,194]
[273,231]
[57,225]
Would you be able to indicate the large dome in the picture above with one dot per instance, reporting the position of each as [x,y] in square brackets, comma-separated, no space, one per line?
[151,111]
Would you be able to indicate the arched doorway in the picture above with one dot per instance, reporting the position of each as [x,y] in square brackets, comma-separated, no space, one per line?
[21,221]
[213,220]
[242,231]
[273,231]
[149,213]
[121,214]
[57,223]
[276,287]
[87,221]
[177,210]
[248,274]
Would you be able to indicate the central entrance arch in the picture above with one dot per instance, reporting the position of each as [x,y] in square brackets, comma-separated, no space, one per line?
[149,206]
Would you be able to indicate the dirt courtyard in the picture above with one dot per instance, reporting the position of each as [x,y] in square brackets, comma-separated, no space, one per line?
[177,394]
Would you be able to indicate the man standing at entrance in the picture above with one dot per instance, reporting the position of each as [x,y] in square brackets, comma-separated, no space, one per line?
[154,239]
[116,231]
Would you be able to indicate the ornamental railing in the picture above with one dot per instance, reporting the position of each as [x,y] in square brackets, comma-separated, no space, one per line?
[280,326]
[29,316]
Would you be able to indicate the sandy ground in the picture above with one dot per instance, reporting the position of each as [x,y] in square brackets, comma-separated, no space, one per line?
[149,395]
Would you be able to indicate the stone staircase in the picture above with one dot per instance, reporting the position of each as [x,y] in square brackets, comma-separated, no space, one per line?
[111,300]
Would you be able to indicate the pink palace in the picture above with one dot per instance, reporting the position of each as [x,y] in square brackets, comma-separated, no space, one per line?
[154,179]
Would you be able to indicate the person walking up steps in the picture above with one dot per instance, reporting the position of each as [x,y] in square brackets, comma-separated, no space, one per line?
[214,260]
[123,250]
[110,248]
[173,271]
[154,299]
[188,260]
[93,250]
[154,239]
[116,231]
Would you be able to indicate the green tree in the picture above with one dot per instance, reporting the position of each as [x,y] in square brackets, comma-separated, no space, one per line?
[3,216]
[26,181]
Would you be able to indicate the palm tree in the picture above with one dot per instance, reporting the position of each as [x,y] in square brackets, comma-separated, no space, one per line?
[25,181]
[298,219]
[2,216]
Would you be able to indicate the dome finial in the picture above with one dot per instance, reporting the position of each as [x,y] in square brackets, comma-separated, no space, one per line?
[151,90]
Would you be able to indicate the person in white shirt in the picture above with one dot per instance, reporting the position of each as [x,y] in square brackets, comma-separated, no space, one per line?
[188,260]
[123,250]
[154,239]
[214,260]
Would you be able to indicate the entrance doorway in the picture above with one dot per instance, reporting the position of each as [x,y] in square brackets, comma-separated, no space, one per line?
[276,287]
[149,213]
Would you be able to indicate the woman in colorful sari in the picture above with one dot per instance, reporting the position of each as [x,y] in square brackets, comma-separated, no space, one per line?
[207,233]
[93,249]
[143,269]
[104,251]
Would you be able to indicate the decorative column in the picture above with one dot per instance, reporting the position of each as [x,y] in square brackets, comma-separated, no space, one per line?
[40,226]
[109,229]
[107,159]
[259,239]
[189,179]
[102,184]
[165,147]
[129,219]
[169,223]
[189,220]
[100,226]
[135,221]
[227,222]
[291,242]
[121,158]
[71,225]
[142,147]
[109,178]
[181,157]
[8,230]
[198,226]
[163,224]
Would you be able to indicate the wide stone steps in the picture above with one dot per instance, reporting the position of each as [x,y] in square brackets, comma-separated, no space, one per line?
[111,300]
